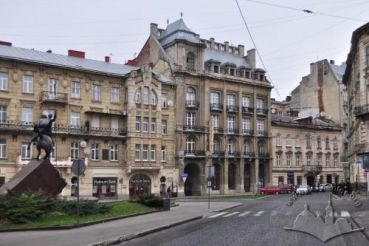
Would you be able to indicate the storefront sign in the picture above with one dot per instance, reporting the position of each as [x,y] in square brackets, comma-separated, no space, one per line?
[104,181]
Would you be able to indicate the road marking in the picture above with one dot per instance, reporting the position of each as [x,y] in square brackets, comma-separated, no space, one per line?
[274,213]
[244,213]
[345,214]
[217,215]
[228,215]
[259,213]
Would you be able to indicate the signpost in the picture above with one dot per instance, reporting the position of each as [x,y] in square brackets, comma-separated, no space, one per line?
[184,177]
[78,168]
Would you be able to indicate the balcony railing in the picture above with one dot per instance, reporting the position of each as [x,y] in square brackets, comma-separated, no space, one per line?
[233,153]
[194,153]
[248,132]
[247,110]
[361,110]
[261,111]
[263,155]
[193,128]
[216,106]
[220,153]
[218,130]
[192,104]
[312,169]
[232,108]
[232,131]
[47,96]
[248,154]
[261,133]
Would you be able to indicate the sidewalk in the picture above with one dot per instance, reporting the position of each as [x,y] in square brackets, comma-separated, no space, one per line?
[118,229]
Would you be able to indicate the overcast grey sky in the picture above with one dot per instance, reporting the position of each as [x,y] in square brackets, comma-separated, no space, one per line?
[288,39]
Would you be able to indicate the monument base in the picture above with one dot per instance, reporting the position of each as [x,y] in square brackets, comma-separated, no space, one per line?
[36,176]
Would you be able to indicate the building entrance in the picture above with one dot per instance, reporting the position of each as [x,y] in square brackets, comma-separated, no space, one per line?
[192,184]
[139,184]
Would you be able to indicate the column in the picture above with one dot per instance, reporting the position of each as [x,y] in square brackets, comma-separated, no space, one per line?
[256,179]
[224,186]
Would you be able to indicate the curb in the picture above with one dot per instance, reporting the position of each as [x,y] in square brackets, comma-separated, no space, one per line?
[144,233]
[224,209]
[358,225]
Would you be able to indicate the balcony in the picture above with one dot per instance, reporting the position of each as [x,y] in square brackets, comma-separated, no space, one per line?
[193,128]
[247,132]
[11,125]
[312,169]
[218,153]
[218,130]
[194,153]
[361,110]
[263,155]
[216,107]
[233,154]
[261,133]
[247,110]
[232,131]
[192,104]
[49,97]
[262,111]
[248,154]
[232,108]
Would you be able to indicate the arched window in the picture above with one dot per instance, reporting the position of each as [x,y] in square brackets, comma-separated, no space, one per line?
[154,98]
[190,145]
[138,96]
[190,61]
[190,97]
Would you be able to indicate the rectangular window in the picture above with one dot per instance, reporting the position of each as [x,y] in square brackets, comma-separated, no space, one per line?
[75,119]
[327,160]
[53,88]
[95,121]
[153,153]
[27,115]
[246,125]
[138,123]
[25,152]
[260,103]
[75,90]
[27,84]
[114,125]
[230,123]
[3,81]
[145,152]
[114,95]
[138,152]
[335,160]
[74,151]
[215,98]
[146,95]
[96,93]
[95,151]
[278,141]
[3,148]
[215,121]
[190,119]
[3,113]
[163,153]
[245,102]
[164,100]
[298,160]
[153,125]
[278,159]
[297,143]
[114,152]
[231,100]
[308,160]
[145,125]
[260,125]
[289,142]
[288,157]
[164,127]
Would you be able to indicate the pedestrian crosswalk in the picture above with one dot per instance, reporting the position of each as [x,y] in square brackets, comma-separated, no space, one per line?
[343,213]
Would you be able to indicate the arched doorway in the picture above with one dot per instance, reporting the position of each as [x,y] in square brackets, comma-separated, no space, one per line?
[192,184]
[232,176]
[247,177]
[139,184]
[310,180]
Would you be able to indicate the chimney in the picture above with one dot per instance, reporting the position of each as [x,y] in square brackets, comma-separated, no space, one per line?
[288,98]
[241,50]
[331,62]
[76,53]
[154,29]
[251,58]
[226,44]
[49,51]
[212,43]
[107,59]
[5,43]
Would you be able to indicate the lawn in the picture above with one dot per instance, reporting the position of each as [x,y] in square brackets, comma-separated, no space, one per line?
[118,209]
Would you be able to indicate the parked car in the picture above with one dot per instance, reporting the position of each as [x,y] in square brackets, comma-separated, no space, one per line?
[286,188]
[328,187]
[303,190]
[270,190]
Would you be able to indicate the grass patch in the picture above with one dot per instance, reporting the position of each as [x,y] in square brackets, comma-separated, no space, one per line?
[118,209]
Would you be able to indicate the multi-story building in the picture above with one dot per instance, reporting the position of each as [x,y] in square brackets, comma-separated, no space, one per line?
[306,151]
[215,82]
[114,108]
[356,79]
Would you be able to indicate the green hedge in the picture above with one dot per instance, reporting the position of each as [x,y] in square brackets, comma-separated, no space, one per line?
[151,200]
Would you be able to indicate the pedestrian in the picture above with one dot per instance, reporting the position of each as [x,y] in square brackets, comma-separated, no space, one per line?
[169,192]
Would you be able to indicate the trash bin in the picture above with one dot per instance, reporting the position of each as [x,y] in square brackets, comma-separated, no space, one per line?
[166,203]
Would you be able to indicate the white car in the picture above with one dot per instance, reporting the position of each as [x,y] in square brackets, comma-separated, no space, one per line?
[303,189]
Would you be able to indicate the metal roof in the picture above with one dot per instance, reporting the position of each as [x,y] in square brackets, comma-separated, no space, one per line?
[178,31]
[45,58]
[225,57]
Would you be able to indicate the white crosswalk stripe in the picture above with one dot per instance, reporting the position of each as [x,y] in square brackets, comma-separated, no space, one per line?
[229,215]
[259,213]
[345,214]
[244,213]
[217,215]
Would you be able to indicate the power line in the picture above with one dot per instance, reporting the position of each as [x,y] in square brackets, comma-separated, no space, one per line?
[307,11]
[257,50]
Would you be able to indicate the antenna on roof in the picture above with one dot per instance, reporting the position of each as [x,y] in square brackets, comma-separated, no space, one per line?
[181,14]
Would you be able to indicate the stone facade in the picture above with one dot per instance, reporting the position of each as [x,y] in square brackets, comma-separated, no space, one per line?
[356,80]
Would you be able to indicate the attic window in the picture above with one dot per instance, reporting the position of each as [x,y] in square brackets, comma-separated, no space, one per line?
[247,75]
[190,61]
[231,71]
[261,77]
[216,69]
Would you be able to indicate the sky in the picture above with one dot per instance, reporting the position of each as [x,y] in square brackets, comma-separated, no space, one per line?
[287,38]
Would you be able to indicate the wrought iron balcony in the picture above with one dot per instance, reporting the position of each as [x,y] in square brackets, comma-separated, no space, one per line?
[218,130]
[194,153]
[361,110]
[216,106]
[248,154]
[261,111]
[192,104]
[263,155]
[232,131]
[193,128]
[261,133]
[312,169]
[233,154]
[219,153]
[232,108]
[247,132]
[52,97]
[247,110]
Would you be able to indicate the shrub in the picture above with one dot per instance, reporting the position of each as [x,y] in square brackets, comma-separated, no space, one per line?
[150,200]
[85,207]
[19,209]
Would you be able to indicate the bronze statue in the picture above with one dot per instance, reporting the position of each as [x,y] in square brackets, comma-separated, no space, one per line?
[42,135]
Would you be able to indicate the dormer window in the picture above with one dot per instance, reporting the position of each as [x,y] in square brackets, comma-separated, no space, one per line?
[190,61]
[231,71]
[216,69]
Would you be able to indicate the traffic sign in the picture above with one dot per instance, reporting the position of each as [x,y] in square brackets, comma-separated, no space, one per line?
[78,167]
[184,176]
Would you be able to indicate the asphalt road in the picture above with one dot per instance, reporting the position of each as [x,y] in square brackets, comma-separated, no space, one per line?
[259,222]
